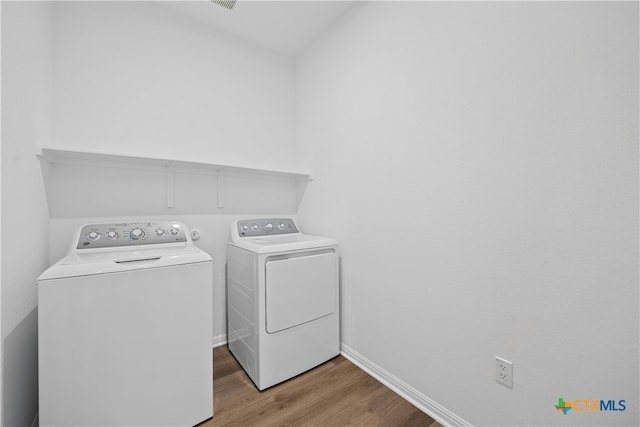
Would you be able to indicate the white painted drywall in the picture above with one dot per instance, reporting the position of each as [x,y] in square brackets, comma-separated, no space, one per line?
[26,107]
[79,190]
[1,346]
[140,79]
[478,163]
[286,27]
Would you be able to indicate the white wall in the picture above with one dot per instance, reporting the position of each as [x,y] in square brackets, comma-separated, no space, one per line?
[127,78]
[26,103]
[1,346]
[138,78]
[86,190]
[478,163]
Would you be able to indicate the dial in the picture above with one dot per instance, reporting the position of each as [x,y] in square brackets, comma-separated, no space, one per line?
[93,235]
[281,226]
[160,232]
[136,234]
[174,231]
[254,227]
[112,235]
[244,227]
[268,227]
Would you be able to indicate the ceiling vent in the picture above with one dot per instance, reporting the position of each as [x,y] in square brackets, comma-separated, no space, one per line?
[229,4]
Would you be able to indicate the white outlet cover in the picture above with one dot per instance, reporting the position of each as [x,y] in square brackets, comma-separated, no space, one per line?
[504,372]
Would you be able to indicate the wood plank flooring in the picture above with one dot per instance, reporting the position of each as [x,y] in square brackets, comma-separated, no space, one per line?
[335,394]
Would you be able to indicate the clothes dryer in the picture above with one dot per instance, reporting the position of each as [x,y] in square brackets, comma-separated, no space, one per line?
[125,328]
[282,299]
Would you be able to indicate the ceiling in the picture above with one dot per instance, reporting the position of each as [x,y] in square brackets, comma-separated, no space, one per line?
[286,27]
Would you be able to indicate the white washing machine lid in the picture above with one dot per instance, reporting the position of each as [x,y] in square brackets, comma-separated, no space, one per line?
[114,260]
[286,243]
[126,246]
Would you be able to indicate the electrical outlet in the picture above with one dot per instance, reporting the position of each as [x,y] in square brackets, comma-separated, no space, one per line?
[504,372]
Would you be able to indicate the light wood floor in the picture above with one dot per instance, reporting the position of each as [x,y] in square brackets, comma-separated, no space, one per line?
[334,394]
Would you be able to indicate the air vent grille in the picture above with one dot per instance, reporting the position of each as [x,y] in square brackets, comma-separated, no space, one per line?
[229,4]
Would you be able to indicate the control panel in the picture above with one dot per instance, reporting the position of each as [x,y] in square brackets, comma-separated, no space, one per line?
[131,234]
[266,227]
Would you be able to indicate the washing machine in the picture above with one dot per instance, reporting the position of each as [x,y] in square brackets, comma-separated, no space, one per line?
[282,299]
[125,329]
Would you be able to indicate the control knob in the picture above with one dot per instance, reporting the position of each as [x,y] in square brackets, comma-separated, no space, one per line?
[268,227]
[93,235]
[112,235]
[254,227]
[174,231]
[136,234]
[281,226]
[160,232]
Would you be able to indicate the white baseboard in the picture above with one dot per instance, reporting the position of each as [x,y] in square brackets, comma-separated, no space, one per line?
[404,390]
[219,340]
[36,420]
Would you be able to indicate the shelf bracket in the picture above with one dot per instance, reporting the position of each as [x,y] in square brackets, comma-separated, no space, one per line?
[220,189]
[170,185]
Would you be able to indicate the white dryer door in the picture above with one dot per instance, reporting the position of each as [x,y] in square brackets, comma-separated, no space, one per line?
[299,290]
